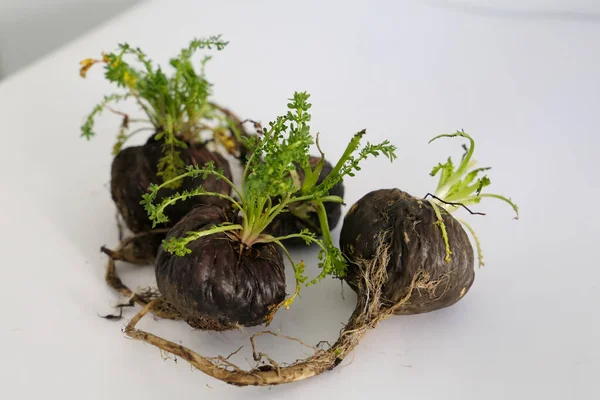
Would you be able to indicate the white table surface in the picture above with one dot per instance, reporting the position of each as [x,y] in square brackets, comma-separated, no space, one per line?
[527,88]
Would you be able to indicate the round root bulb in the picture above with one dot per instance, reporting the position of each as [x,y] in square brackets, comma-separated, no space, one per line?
[417,241]
[136,167]
[126,251]
[368,313]
[220,284]
[139,248]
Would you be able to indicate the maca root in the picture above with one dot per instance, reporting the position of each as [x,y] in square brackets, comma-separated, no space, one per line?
[139,248]
[368,313]
[220,284]
[125,252]
[415,243]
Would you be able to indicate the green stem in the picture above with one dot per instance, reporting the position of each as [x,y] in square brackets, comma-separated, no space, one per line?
[271,239]
[477,198]
[442,225]
[465,200]
[173,180]
[312,176]
[271,214]
[297,273]
[192,173]
[160,209]
[352,146]
[230,183]
[326,199]
[261,215]
[250,218]
[248,167]
[507,200]
[255,224]
[322,214]
[462,194]
[464,165]
[179,247]
[326,238]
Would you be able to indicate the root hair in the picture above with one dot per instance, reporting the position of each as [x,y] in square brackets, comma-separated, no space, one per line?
[369,311]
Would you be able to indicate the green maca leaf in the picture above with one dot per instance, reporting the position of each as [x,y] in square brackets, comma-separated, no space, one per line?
[175,246]
[271,186]
[331,262]
[481,183]
[178,246]
[447,169]
[170,165]
[349,163]
[308,236]
[276,152]
[458,188]
[311,176]
[473,174]
[156,211]
[87,129]
[174,104]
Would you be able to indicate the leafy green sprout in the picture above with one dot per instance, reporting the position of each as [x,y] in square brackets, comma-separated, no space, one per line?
[270,185]
[460,187]
[176,107]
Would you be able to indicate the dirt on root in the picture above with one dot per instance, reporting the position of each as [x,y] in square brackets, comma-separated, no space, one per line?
[415,244]
[369,311]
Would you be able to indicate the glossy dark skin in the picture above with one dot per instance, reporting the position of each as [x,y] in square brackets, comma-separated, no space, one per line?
[415,244]
[294,222]
[135,168]
[219,285]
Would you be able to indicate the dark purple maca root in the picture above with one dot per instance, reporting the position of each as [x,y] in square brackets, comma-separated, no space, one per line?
[136,167]
[415,244]
[301,216]
[221,284]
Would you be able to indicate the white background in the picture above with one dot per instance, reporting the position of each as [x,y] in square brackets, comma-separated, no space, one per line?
[525,86]
[29,29]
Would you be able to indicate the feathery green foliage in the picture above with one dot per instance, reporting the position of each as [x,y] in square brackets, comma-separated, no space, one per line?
[461,187]
[270,185]
[175,105]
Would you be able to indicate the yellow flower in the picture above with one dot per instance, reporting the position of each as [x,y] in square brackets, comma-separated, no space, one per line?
[86,65]
[226,141]
[129,79]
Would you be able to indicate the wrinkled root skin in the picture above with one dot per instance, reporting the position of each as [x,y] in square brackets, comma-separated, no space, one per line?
[367,314]
[136,167]
[298,219]
[127,251]
[221,284]
[416,244]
